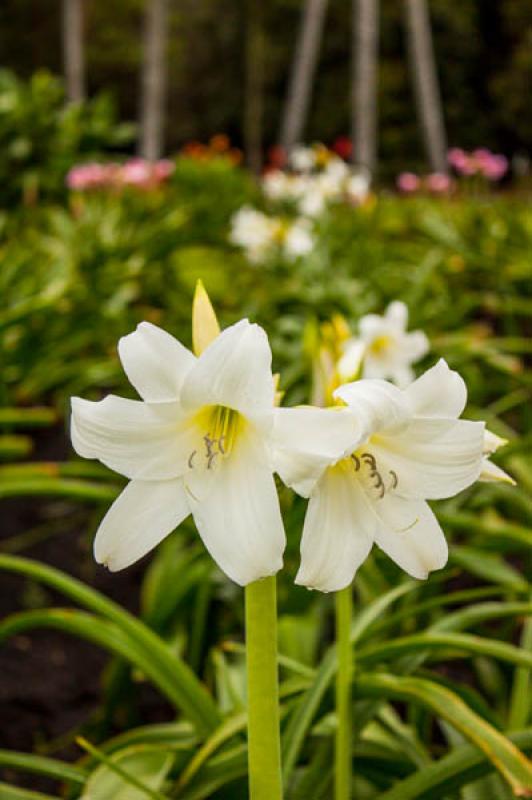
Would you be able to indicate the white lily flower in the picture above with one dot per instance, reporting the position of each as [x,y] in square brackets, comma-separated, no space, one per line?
[312,202]
[302,159]
[198,442]
[299,239]
[357,186]
[409,446]
[389,350]
[254,231]
[491,473]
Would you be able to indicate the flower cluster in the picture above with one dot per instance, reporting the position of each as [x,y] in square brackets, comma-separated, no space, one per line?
[207,437]
[316,176]
[137,172]
[435,183]
[492,166]
[262,236]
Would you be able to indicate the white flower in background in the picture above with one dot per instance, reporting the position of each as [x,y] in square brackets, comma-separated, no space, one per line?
[389,349]
[357,187]
[409,447]
[278,185]
[336,171]
[253,231]
[298,239]
[198,442]
[491,473]
[312,201]
[302,159]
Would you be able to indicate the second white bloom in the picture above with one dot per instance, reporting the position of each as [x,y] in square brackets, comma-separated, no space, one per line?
[409,446]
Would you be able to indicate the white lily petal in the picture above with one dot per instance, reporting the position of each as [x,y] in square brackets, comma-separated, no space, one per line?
[401,374]
[492,442]
[371,325]
[138,440]
[414,346]
[338,532]
[141,516]
[155,363]
[439,392]
[307,440]
[491,473]
[379,405]
[233,371]
[349,364]
[397,314]
[411,535]
[432,458]
[237,513]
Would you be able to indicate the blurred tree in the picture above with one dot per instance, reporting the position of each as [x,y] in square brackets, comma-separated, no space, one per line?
[484,46]
[302,74]
[364,85]
[153,94]
[73,50]
[424,75]
[254,85]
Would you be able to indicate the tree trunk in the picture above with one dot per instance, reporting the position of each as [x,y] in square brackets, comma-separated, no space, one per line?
[73,57]
[364,83]
[254,86]
[302,75]
[153,93]
[424,75]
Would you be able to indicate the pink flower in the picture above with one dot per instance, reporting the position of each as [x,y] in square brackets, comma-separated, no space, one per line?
[136,172]
[89,176]
[495,167]
[163,168]
[438,183]
[407,182]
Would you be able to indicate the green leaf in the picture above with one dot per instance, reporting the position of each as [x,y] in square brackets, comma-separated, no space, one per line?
[301,720]
[15,793]
[122,775]
[462,642]
[511,763]
[40,765]
[187,693]
[488,566]
[463,766]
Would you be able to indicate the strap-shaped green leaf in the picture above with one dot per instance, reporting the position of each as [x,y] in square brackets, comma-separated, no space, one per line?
[499,749]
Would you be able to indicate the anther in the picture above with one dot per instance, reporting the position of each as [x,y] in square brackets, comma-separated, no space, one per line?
[191,459]
[369,459]
[356,461]
[395,479]
[208,444]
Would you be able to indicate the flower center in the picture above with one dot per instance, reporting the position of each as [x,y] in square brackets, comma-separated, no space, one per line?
[219,427]
[377,480]
[380,344]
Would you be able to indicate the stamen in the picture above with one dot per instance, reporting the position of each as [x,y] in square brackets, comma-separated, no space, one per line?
[374,472]
[369,459]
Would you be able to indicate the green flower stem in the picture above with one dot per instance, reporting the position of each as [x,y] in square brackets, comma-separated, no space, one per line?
[264,748]
[344,680]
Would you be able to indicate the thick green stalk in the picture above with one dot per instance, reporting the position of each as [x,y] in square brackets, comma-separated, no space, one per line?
[264,748]
[344,680]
